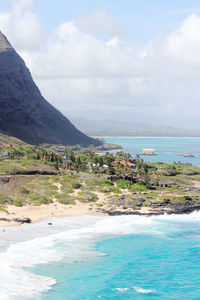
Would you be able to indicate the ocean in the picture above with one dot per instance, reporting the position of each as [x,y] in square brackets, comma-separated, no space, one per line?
[166,148]
[103,257]
[91,258]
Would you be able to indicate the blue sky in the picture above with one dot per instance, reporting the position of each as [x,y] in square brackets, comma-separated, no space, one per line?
[142,19]
[110,59]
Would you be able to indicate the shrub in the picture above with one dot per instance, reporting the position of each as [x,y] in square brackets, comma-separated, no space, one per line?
[19,201]
[92,182]
[171,171]
[4,199]
[124,184]
[106,182]
[76,185]
[109,189]
[182,199]
[87,197]
[38,199]
[65,199]
[138,187]
[23,190]
[67,189]
[3,208]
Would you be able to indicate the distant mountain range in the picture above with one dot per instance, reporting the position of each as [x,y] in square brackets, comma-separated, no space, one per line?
[24,113]
[119,128]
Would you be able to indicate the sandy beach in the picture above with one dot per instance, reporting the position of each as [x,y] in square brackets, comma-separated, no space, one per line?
[55,209]
[38,213]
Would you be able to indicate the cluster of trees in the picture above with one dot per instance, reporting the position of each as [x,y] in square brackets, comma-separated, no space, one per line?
[89,162]
[104,164]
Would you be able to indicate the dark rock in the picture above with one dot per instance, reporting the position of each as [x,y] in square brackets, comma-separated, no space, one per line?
[124,207]
[140,202]
[50,223]
[22,220]
[165,202]
[122,198]
[187,198]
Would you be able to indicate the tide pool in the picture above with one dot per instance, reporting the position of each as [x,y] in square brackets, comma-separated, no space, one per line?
[89,258]
[166,148]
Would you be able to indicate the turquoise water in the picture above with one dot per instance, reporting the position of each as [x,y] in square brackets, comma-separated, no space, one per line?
[91,258]
[123,257]
[166,148]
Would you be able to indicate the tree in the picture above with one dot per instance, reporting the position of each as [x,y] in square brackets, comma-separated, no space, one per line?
[121,155]
[77,163]
[69,154]
[142,173]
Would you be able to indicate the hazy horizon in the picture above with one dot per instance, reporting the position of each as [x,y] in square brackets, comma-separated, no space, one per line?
[123,61]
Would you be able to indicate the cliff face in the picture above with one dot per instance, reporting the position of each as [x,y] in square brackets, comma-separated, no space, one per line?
[24,113]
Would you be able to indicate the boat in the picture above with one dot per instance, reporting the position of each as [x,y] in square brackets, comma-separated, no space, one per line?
[186,154]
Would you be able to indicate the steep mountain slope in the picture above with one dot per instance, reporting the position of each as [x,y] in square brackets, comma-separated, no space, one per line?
[24,113]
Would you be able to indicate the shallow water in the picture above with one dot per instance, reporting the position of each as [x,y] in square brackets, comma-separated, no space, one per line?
[166,148]
[89,257]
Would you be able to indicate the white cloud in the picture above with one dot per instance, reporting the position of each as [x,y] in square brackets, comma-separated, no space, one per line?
[114,42]
[100,22]
[22,27]
[184,43]
[21,5]
[79,71]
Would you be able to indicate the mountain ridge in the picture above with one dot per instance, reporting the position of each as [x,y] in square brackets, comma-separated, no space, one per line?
[116,128]
[25,113]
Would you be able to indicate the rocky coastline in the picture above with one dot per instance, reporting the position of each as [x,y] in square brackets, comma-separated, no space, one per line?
[165,207]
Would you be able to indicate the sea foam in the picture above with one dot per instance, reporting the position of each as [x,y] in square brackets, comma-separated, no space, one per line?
[143,291]
[75,243]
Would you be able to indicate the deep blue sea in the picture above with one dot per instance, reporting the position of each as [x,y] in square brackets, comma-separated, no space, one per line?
[91,258]
[166,148]
[122,257]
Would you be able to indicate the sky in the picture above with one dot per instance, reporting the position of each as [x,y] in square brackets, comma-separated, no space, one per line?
[135,61]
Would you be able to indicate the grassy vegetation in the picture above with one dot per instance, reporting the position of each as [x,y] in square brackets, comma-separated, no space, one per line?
[87,197]
[124,184]
[19,201]
[5,199]
[138,187]
[80,176]
[65,199]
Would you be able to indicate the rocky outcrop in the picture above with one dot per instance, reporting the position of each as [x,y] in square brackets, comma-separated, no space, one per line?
[167,206]
[17,220]
[24,113]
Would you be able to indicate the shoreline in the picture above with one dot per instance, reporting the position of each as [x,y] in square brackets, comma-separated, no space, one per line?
[138,136]
[39,213]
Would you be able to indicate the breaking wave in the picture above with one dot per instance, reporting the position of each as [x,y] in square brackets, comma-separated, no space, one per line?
[70,245]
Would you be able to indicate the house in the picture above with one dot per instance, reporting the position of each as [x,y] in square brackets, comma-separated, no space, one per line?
[4,154]
[105,166]
[148,152]
[164,183]
[125,163]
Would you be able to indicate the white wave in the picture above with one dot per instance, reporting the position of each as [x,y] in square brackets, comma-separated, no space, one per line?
[194,216]
[122,289]
[75,243]
[143,291]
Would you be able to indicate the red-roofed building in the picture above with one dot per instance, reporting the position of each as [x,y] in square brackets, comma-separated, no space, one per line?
[125,163]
